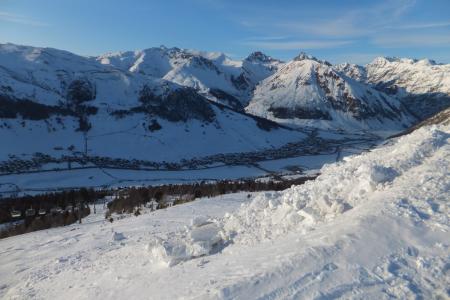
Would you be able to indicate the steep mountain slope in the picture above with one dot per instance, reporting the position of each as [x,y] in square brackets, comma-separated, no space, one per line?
[258,66]
[422,85]
[307,88]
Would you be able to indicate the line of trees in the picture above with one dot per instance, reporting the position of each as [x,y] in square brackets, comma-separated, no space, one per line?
[47,202]
[126,200]
[29,224]
[129,200]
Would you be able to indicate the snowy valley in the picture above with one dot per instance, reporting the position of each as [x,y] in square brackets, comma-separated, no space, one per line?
[143,115]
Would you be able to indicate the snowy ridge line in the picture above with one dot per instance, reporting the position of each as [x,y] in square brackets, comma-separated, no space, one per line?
[340,188]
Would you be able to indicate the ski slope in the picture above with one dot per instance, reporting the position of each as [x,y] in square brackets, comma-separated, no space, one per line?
[374,226]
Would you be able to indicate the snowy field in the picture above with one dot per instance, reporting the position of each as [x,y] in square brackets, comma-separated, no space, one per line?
[374,226]
[52,180]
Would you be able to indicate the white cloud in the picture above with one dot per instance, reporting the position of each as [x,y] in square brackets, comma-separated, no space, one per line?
[412,40]
[338,28]
[268,38]
[353,23]
[421,25]
[384,24]
[294,45]
[19,19]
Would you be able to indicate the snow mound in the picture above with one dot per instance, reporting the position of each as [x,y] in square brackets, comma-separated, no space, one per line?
[340,188]
[118,236]
[203,238]
[199,221]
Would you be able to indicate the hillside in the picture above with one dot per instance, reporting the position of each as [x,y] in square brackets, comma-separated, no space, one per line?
[372,226]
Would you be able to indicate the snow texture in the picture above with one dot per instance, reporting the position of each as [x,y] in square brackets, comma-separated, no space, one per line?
[373,226]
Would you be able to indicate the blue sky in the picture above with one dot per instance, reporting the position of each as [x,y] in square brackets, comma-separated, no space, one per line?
[346,30]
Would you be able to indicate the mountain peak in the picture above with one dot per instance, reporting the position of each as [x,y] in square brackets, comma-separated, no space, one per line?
[410,61]
[304,56]
[259,56]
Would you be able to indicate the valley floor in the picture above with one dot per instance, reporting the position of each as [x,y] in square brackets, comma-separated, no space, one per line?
[305,157]
[374,226]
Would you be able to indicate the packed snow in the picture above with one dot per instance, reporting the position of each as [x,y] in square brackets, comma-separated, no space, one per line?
[373,226]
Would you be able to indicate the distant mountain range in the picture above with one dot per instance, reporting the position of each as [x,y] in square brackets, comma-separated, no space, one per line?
[423,86]
[170,104]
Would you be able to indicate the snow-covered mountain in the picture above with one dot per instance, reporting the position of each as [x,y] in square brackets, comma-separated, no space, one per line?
[148,103]
[258,66]
[77,104]
[310,89]
[212,74]
[422,85]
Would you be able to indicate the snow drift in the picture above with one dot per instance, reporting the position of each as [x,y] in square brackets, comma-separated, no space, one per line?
[341,187]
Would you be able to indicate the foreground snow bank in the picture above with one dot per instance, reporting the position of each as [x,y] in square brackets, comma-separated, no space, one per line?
[341,187]
[375,226]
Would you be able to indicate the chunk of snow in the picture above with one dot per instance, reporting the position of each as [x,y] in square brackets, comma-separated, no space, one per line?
[199,221]
[118,236]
